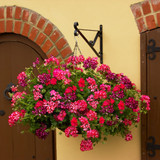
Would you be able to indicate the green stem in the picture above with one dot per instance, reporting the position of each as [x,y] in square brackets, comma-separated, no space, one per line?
[23,103]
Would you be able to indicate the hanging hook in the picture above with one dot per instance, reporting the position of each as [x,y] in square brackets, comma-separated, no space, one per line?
[91,43]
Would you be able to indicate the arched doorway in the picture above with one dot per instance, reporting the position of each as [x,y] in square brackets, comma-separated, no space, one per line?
[25,35]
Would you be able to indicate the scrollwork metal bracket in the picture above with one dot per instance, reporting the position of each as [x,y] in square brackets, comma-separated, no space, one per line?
[152,49]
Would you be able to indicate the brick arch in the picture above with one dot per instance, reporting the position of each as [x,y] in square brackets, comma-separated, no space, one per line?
[147,14]
[19,20]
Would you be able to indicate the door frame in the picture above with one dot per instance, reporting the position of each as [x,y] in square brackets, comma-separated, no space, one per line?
[143,61]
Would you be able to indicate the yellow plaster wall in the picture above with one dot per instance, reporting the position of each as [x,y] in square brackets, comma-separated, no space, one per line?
[121,52]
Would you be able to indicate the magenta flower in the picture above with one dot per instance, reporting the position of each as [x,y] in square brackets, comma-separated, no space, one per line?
[71,131]
[78,98]
[22,81]
[86,145]
[41,133]
[92,115]
[92,134]
[121,106]
[74,122]
[128,137]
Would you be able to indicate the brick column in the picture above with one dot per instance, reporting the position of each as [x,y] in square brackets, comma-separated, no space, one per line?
[147,14]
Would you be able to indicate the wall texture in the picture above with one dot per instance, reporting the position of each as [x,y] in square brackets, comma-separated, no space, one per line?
[121,52]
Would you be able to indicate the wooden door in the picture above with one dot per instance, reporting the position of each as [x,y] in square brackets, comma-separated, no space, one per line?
[150,74]
[16,53]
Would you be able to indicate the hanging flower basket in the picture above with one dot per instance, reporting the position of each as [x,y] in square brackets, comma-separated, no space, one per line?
[79,98]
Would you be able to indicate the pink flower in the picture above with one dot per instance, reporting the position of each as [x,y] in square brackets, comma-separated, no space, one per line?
[50,106]
[38,87]
[103,68]
[92,115]
[14,88]
[36,62]
[36,92]
[121,105]
[22,79]
[86,145]
[55,95]
[17,96]
[51,60]
[37,95]
[93,104]
[92,134]
[53,81]
[71,131]
[75,59]
[39,108]
[74,122]
[127,122]
[61,116]
[128,137]
[91,81]
[71,89]
[15,116]
[41,132]
[67,81]
[146,99]
[59,74]
[118,87]
[85,124]
[104,87]
[82,105]
[74,88]
[81,82]
[100,94]
[101,120]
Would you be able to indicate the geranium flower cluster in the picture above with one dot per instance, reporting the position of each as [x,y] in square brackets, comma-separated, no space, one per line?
[79,98]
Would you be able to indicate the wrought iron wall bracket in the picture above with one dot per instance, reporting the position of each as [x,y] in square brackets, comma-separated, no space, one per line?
[152,49]
[99,35]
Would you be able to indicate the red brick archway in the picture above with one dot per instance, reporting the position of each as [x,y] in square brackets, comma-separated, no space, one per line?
[19,20]
[147,14]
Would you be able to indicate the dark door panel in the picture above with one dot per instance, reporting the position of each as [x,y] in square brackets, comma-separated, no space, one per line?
[16,53]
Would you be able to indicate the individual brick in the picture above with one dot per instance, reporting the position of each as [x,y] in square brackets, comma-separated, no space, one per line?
[26,28]
[47,45]
[146,7]
[2,28]
[1,13]
[9,26]
[150,22]
[18,12]
[48,29]
[141,25]
[9,12]
[55,35]
[53,52]
[136,9]
[25,15]
[158,19]
[66,52]
[17,27]
[61,43]
[40,39]
[41,22]
[155,5]
[33,34]
[34,18]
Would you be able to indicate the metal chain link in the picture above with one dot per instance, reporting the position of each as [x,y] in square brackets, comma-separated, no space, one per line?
[76,48]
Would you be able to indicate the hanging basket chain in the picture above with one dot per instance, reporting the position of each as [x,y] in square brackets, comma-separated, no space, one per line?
[76,48]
